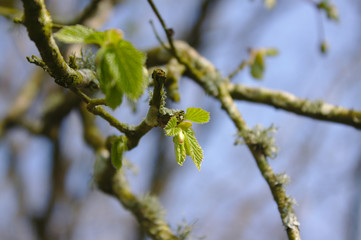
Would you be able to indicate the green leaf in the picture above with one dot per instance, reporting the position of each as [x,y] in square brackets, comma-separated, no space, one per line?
[74,34]
[118,148]
[95,38]
[185,125]
[193,148]
[107,76]
[113,97]
[130,62]
[120,69]
[171,128]
[180,153]
[197,115]
[113,36]
[258,65]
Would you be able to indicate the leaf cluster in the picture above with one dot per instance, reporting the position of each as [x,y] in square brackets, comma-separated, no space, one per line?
[119,65]
[185,142]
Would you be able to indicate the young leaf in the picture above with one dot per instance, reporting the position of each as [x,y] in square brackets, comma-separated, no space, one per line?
[171,129]
[258,66]
[95,38]
[130,63]
[113,97]
[180,153]
[195,151]
[120,68]
[74,34]
[118,147]
[197,115]
[185,125]
[107,76]
[113,36]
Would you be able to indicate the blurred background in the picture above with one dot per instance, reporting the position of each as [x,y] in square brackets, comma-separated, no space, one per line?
[46,187]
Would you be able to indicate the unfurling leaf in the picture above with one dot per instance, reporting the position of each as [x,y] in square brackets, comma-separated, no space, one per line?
[197,115]
[179,138]
[193,149]
[258,65]
[171,128]
[180,153]
[185,142]
[185,125]
[119,146]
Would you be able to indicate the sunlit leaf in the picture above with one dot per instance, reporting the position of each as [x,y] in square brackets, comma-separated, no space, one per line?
[120,68]
[74,34]
[197,115]
[171,128]
[195,151]
[108,76]
[180,153]
[258,65]
[185,125]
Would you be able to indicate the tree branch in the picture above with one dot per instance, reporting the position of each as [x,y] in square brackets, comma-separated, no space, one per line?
[284,203]
[213,83]
[153,119]
[206,75]
[39,25]
[286,101]
[147,210]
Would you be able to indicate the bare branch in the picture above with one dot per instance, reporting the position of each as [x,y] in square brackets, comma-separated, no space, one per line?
[286,101]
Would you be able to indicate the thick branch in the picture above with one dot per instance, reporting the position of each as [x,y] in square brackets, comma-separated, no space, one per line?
[39,25]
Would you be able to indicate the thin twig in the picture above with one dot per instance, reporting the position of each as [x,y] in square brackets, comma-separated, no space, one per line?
[157,35]
[168,31]
[238,69]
